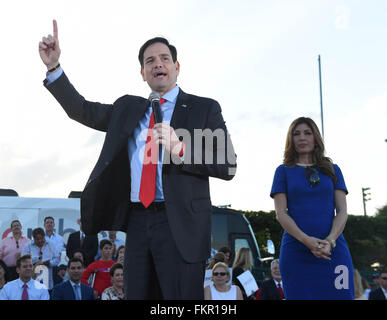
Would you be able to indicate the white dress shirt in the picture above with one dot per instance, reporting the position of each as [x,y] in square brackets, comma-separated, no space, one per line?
[13,290]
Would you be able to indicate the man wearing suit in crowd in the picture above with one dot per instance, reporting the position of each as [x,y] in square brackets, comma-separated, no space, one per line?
[160,197]
[78,240]
[73,289]
[381,292]
[272,289]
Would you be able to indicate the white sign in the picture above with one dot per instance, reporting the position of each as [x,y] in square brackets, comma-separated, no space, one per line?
[248,282]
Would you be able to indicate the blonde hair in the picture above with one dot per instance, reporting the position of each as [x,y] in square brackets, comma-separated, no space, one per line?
[357,279]
[243,259]
[318,155]
[224,266]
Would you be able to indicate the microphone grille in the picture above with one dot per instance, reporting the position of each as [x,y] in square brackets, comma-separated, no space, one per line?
[154,96]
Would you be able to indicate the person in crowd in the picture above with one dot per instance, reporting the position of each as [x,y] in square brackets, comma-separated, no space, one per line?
[366,286]
[73,289]
[59,275]
[130,183]
[218,257]
[4,274]
[56,239]
[308,189]
[43,253]
[218,289]
[381,292]
[242,263]
[376,280]
[359,289]
[272,289]
[116,291]
[112,237]
[24,288]
[79,240]
[120,254]
[98,272]
[11,248]
[80,254]
[227,255]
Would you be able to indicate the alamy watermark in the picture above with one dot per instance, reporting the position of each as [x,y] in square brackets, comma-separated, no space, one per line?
[202,147]
[342,280]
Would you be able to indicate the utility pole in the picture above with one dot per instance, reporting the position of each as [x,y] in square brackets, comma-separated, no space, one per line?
[321,102]
[365,198]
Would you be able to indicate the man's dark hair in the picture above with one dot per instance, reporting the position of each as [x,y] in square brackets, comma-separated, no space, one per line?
[21,259]
[48,218]
[172,49]
[15,221]
[104,242]
[38,231]
[74,260]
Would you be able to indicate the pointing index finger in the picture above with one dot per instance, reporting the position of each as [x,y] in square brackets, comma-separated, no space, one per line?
[55,26]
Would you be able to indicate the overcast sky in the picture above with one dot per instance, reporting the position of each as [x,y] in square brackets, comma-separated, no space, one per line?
[258,59]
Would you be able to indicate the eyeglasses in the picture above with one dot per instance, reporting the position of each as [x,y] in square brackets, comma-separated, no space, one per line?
[384,278]
[219,274]
[313,176]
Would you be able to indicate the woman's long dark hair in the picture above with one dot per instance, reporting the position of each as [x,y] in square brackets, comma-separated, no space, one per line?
[318,156]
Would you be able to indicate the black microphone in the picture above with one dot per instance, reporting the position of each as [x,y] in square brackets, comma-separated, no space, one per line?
[154,98]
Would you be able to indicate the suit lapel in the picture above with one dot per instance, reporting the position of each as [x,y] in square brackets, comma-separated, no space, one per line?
[180,113]
[133,115]
[70,290]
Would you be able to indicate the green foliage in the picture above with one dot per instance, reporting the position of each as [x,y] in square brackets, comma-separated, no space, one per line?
[265,227]
[382,212]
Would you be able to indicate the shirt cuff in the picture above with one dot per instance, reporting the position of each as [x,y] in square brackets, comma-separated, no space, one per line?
[51,77]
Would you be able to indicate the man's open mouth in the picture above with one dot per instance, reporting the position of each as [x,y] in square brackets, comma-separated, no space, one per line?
[159,74]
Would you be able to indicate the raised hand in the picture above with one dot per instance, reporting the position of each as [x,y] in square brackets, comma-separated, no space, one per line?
[49,48]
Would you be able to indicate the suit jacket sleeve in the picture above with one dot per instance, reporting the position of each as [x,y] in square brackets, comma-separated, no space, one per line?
[92,114]
[57,293]
[214,154]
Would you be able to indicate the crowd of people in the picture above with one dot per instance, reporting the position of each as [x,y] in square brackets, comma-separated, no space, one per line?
[30,269]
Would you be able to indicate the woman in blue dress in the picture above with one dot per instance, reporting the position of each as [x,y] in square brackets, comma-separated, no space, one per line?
[310,202]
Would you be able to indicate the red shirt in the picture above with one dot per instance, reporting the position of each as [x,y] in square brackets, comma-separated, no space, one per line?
[102,278]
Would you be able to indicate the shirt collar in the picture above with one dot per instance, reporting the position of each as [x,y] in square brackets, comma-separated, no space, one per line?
[74,284]
[29,283]
[276,283]
[171,96]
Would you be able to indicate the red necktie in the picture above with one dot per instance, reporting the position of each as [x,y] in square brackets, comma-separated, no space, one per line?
[25,292]
[149,166]
[281,293]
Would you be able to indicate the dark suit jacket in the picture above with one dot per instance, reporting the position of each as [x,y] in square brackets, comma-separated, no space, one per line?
[64,291]
[90,245]
[105,198]
[269,290]
[377,294]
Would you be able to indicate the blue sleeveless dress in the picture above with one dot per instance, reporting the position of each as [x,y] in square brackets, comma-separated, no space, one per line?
[304,276]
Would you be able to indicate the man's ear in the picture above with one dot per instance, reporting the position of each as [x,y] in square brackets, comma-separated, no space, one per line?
[177,64]
[142,73]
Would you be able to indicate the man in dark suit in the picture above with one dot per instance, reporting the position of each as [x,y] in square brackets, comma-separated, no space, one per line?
[87,243]
[272,289]
[381,292]
[148,182]
[73,289]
